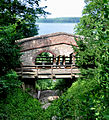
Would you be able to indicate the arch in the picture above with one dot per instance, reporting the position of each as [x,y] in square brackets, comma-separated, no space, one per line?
[46,51]
[41,51]
[61,56]
[55,43]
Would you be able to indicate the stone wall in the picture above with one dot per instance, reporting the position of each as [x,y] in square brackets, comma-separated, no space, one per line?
[57,44]
[28,57]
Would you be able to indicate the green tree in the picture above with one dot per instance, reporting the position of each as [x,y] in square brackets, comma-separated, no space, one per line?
[22,12]
[59,20]
[17,20]
[9,51]
[9,58]
[88,97]
[93,55]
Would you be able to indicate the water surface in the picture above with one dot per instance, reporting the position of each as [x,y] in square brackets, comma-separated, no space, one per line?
[47,28]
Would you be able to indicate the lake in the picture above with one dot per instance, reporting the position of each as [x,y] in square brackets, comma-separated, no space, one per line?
[47,28]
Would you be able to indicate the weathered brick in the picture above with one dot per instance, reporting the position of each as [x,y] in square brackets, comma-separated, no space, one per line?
[56,43]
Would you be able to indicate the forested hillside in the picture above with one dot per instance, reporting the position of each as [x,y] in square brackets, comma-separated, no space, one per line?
[59,20]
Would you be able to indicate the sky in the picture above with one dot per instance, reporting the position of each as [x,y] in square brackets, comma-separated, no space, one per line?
[63,8]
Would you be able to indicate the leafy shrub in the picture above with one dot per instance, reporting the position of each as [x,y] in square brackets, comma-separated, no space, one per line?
[8,82]
[9,51]
[61,84]
[44,84]
[84,100]
[20,106]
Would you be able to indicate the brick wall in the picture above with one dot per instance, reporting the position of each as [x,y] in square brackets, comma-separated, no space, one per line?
[56,43]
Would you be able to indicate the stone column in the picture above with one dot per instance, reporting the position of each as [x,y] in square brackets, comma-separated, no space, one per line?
[63,60]
[73,59]
[59,60]
[54,60]
[70,59]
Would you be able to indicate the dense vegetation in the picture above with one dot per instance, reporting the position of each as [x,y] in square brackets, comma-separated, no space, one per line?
[20,106]
[54,84]
[23,13]
[16,17]
[88,97]
[59,20]
[17,20]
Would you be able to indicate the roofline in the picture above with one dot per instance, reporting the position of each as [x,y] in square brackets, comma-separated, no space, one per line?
[44,36]
[47,46]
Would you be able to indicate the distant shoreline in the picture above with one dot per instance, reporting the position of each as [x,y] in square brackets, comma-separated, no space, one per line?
[59,20]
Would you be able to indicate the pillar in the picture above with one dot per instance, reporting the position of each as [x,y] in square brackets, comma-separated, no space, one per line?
[54,60]
[73,59]
[63,60]
[70,59]
[59,60]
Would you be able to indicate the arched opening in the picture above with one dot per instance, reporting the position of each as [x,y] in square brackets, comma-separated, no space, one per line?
[47,58]
[44,58]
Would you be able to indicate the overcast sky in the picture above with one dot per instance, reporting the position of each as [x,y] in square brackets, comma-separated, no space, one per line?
[64,8]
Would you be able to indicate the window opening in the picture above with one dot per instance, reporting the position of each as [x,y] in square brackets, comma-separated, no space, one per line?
[44,58]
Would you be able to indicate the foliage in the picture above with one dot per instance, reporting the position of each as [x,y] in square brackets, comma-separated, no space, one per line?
[17,20]
[87,99]
[60,84]
[59,20]
[23,13]
[44,84]
[20,106]
[43,58]
[63,84]
[8,82]
[9,51]
[79,102]
[94,54]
